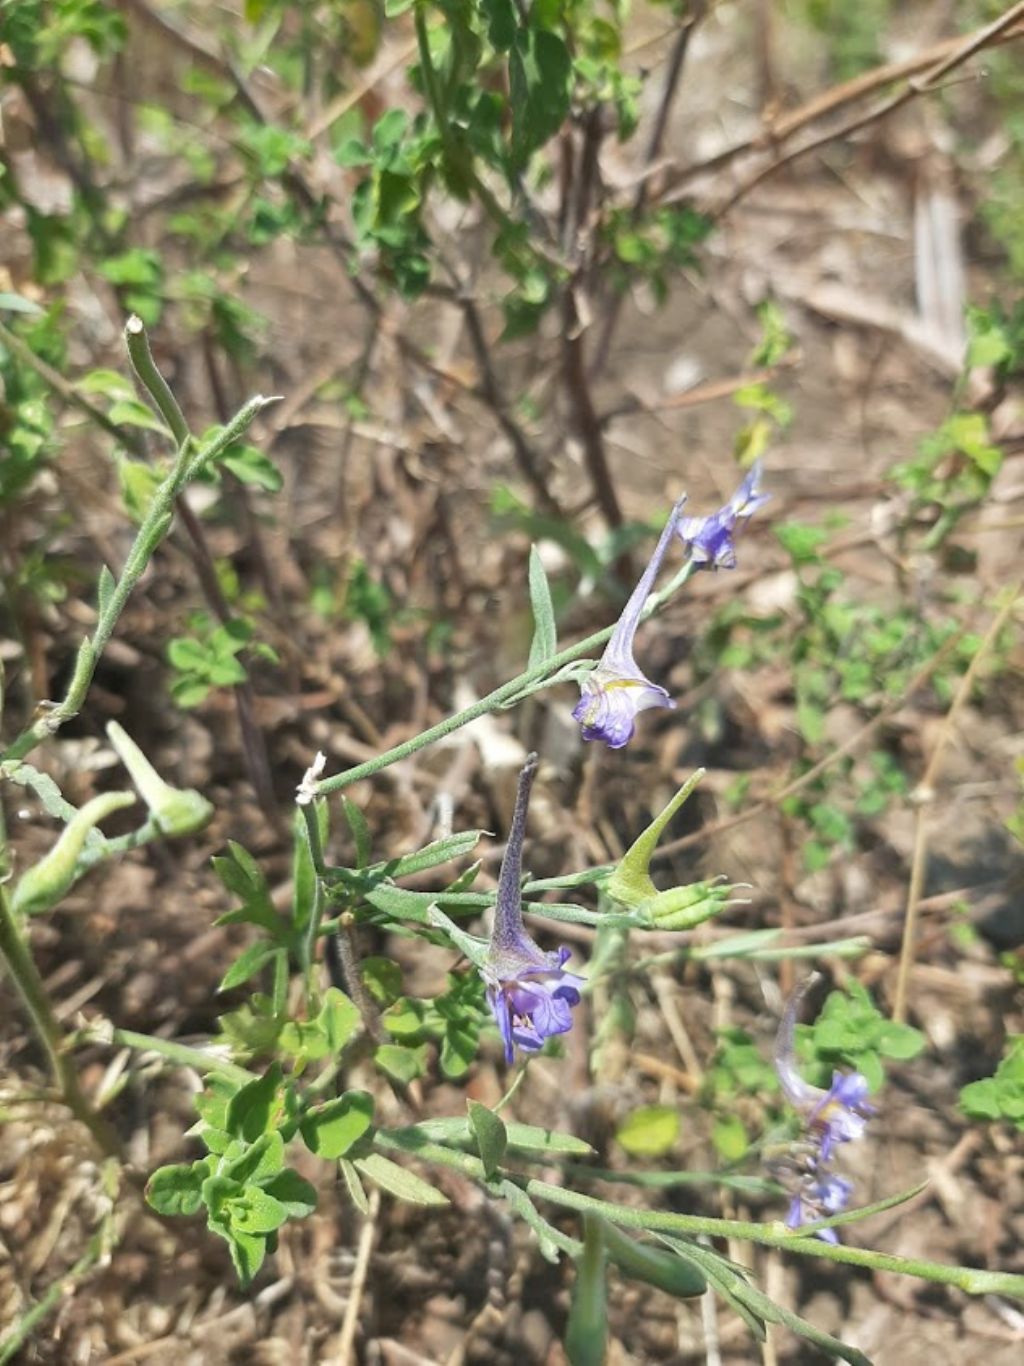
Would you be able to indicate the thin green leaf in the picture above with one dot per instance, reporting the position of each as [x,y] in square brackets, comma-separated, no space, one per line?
[105,590]
[354,1186]
[491,1136]
[545,638]
[360,831]
[247,964]
[397,1181]
[432,855]
[532,1137]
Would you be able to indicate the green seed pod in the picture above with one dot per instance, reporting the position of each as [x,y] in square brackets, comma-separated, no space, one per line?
[177,811]
[45,884]
[683,908]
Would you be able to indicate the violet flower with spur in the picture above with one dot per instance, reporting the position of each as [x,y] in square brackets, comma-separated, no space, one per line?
[529,991]
[614,693]
[830,1118]
[709,540]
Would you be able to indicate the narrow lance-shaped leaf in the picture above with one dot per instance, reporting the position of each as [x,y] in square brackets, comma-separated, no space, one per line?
[545,640]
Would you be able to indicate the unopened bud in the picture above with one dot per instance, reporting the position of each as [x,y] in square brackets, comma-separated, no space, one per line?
[176,810]
[43,885]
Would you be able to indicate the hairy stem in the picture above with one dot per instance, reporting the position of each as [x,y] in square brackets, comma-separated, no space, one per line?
[153,530]
[500,695]
[21,967]
[185,1055]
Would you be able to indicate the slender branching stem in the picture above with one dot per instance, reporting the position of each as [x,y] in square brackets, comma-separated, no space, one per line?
[973,1280]
[499,696]
[24,974]
[154,528]
[202,1060]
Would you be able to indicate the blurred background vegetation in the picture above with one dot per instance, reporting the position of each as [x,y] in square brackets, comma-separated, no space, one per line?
[524,274]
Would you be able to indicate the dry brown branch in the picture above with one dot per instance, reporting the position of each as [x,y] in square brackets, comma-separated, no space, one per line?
[708,392]
[962,52]
[781,128]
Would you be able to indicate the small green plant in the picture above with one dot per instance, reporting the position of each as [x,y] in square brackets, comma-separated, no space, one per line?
[207,659]
[740,1089]
[999,1098]
[852,1032]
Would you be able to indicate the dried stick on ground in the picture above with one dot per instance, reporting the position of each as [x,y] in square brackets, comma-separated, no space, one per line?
[925,794]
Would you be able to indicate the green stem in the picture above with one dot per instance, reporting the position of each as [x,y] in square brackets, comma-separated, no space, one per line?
[153,381]
[21,966]
[494,699]
[970,1279]
[198,1058]
[154,528]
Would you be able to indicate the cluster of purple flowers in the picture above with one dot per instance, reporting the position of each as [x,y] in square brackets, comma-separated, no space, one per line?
[616,691]
[830,1118]
[530,992]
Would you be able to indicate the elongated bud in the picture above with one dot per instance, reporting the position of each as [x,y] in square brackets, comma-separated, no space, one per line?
[43,886]
[631,882]
[177,811]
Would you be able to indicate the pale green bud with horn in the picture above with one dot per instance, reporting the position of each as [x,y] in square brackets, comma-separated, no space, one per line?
[176,810]
[46,883]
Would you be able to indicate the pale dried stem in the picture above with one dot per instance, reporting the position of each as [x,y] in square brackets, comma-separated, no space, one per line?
[925,84]
[780,129]
[350,1323]
[925,795]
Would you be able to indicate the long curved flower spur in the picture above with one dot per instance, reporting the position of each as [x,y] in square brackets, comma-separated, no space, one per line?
[613,694]
[528,990]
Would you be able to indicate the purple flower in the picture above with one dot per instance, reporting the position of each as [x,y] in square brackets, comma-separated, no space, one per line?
[528,990]
[834,1116]
[843,1112]
[709,540]
[819,1197]
[614,694]
[831,1118]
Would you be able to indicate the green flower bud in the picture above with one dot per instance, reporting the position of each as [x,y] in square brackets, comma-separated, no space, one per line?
[631,882]
[43,885]
[176,810]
